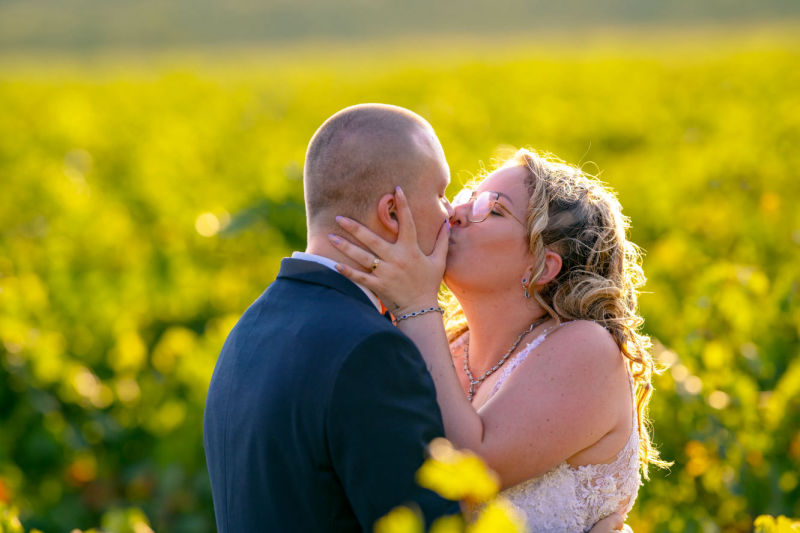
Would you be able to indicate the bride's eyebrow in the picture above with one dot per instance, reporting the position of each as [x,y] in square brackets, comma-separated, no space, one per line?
[504,195]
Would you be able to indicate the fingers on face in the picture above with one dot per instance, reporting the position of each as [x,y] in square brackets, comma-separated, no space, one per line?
[408,230]
[363,278]
[364,235]
[442,241]
[356,253]
[351,273]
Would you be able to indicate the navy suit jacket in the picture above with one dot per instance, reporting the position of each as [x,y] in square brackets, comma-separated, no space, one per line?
[318,412]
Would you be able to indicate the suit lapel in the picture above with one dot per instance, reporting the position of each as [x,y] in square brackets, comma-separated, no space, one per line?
[311,272]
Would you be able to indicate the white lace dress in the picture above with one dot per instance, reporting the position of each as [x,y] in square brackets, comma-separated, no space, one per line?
[570,499]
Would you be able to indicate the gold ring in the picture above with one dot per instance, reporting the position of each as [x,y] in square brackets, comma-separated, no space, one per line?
[375,263]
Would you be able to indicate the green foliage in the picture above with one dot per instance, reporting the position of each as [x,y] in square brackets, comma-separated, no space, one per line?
[130,520]
[144,207]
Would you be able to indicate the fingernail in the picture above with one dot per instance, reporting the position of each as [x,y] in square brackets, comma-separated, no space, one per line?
[339,268]
[334,239]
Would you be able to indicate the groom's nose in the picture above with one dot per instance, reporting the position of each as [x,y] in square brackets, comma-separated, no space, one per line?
[449,209]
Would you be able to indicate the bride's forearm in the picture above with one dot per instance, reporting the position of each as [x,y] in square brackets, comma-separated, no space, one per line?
[462,424]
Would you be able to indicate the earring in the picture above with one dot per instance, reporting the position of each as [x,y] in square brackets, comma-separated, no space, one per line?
[525,288]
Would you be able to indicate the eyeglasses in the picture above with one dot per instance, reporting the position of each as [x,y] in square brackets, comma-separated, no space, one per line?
[482,204]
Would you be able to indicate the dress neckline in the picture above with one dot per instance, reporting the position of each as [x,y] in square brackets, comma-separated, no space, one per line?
[523,354]
[520,357]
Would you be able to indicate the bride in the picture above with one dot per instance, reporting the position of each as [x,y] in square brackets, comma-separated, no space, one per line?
[541,369]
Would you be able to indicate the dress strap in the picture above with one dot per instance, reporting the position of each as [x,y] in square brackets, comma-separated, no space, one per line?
[522,355]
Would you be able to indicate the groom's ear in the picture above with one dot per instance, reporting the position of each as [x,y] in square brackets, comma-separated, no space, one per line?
[387,213]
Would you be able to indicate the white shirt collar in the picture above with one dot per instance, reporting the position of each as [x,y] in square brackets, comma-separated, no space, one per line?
[330,263]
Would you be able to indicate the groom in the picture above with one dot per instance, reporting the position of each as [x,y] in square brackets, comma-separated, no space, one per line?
[319,409]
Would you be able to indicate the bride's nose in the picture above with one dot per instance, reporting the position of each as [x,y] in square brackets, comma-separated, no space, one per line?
[460,213]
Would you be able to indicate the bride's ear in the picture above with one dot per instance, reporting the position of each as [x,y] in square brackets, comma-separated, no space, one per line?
[387,214]
[552,266]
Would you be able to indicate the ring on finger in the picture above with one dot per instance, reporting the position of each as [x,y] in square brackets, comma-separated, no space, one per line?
[375,263]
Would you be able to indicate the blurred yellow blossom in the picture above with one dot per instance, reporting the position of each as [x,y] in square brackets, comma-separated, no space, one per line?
[498,516]
[457,475]
[782,524]
[130,520]
[400,520]
[448,524]
[9,520]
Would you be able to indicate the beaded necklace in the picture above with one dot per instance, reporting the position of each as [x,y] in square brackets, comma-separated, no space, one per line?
[472,381]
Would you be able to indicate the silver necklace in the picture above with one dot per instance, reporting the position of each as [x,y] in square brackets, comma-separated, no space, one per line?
[472,381]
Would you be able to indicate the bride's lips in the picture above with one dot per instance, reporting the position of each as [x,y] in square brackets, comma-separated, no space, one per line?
[452,237]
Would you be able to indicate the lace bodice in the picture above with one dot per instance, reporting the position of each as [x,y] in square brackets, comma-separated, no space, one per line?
[570,499]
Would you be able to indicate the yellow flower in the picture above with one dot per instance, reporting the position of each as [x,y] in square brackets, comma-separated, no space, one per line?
[448,524]
[457,475]
[400,520]
[769,524]
[498,516]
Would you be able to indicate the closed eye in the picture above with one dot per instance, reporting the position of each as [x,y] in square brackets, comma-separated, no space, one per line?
[500,209]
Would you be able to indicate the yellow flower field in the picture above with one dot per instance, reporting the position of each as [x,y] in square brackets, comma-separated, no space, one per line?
[146,201]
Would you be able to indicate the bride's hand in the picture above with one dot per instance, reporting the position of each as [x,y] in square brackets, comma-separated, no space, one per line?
[405,279]
[611,523]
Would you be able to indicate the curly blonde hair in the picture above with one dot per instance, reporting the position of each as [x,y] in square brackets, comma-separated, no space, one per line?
[575,215]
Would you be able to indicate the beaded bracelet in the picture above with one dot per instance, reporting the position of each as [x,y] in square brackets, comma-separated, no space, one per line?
[436,309]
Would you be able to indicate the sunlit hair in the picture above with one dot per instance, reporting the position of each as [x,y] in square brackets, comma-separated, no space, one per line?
[575,215]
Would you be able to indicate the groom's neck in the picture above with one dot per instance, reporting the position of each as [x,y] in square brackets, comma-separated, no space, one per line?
[320,245]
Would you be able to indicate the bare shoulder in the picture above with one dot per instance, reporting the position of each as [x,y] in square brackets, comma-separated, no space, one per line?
[588,342]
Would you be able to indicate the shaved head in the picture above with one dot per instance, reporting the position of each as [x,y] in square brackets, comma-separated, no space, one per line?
[363,152]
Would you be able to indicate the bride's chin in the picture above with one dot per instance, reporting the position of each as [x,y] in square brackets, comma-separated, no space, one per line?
[450,268]
[446,279]
[450,278]
[459,272]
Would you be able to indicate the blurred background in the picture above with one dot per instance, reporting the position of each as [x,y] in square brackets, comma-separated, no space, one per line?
[150,181]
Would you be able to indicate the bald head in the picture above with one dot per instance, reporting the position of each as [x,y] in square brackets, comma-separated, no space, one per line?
[361,153]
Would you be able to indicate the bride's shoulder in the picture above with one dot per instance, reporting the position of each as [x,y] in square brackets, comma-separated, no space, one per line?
[586,338]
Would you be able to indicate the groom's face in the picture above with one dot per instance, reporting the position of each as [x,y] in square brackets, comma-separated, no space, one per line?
[427,199]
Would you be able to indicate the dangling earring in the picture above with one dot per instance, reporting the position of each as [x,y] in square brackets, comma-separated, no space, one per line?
[525,288]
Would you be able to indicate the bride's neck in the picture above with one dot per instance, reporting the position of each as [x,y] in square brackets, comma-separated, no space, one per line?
[495,322]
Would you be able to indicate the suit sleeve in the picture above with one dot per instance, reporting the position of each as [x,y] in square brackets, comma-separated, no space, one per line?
[383,413]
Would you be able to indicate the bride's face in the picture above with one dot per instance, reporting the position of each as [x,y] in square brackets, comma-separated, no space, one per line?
[492,254]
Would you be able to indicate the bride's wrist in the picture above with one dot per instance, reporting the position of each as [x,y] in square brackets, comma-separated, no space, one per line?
[415,307]
[434,309]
